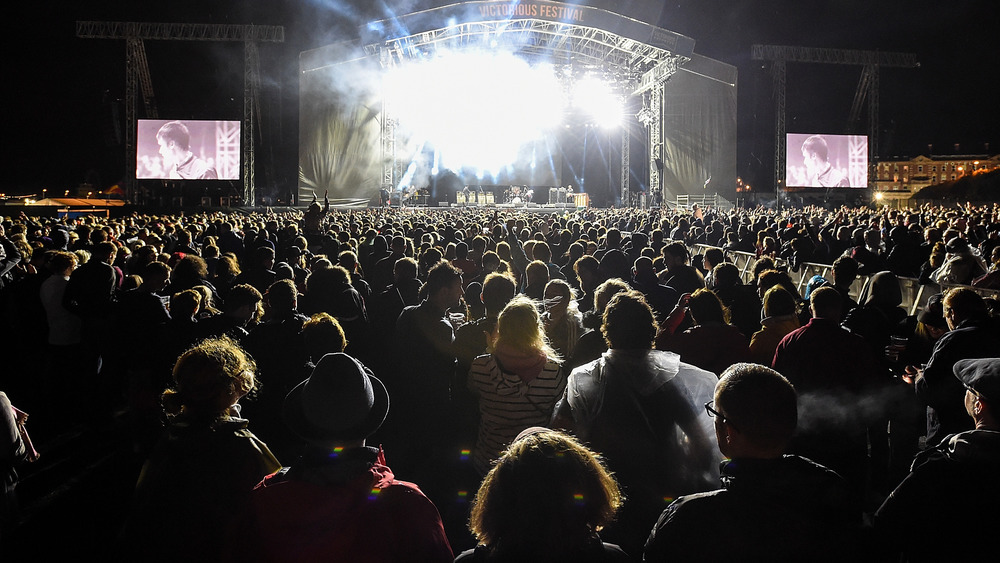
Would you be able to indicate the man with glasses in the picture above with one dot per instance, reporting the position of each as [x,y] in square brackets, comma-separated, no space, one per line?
[947,504]
[773,506]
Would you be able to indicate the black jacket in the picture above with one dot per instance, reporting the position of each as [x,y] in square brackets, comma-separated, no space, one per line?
[946,507]
[785,509]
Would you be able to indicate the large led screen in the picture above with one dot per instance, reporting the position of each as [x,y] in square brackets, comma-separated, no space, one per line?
[187,150]
[826,161]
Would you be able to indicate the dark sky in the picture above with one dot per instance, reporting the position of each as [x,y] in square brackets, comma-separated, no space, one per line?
[62,113]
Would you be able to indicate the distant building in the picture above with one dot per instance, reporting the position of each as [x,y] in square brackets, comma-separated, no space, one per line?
[898,179]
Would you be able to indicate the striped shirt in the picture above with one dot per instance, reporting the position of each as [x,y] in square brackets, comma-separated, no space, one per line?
[508,405]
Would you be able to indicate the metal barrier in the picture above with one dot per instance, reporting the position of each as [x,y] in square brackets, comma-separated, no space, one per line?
[704,200]
[915,294]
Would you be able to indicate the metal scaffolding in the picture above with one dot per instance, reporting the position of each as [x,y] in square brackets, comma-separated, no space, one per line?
[626,156]
[137,75]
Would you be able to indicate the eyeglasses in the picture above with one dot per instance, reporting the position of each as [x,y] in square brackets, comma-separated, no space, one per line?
[716,414]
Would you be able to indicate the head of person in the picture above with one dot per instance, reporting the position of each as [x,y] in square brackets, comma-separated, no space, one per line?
[931,320]
[498,290]
[491,261]
[770,278]
[207,299]
[815,153]
[643,267]
[778,302]
[541,251]
[756,412]
[607,290]
[444,285]
[404,269]
[586,269]
[536,273]
[614,238]
[558,298]
[185,304]
[981,378]
[675,254]
[707,308]
[263,257]
[462,251]
[628,322]
[826,303]
[228,267]
[957,245]
[61,262]
[174,140]
[845,269]
[322,334]
[884,291]
[713,257]
[962,304]
[340,403]
[243,302]
[726,275]
[763,264]
[155,276]
[190,269]
[873,238]
[547,494]
[105,252]
[209,378]
[282,297]
[519,328]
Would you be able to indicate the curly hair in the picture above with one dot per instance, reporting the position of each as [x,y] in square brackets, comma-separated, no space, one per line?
[546,494]
[210,377]
[628,322]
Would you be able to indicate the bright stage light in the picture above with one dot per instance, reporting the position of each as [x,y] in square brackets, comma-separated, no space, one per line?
[476,109]
[595,98]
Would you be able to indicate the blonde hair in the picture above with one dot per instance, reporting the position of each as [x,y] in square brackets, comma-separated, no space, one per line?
[520,327]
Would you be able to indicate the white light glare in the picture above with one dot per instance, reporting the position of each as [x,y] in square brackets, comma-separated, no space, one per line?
[595,98]
[476,109]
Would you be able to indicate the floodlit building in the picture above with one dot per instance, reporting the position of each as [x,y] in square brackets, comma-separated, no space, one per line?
[899,179]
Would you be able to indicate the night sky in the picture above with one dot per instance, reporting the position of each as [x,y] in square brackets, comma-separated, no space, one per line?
[62,112]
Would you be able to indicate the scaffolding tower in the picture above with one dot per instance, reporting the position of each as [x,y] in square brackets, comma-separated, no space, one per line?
[868,87]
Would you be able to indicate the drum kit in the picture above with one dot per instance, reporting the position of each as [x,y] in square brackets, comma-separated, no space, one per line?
[518,195]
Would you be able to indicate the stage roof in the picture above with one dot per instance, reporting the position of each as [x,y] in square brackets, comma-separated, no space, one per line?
[77,202]
[637,53]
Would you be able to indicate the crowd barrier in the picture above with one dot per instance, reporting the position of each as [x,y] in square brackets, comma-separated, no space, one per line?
[915,294]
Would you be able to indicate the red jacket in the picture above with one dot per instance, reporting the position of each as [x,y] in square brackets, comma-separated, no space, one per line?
[352,509]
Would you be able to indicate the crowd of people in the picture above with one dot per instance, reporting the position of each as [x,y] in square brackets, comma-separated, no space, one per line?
[609,393]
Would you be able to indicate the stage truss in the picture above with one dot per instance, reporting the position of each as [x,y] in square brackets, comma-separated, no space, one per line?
[635,67]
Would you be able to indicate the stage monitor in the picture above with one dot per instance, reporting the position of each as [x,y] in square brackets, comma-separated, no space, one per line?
[826,161]
[187,150]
